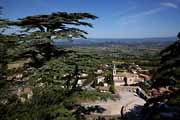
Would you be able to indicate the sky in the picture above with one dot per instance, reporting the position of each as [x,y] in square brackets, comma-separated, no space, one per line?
[117,18]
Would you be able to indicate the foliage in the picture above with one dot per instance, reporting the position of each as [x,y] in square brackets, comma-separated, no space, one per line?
[39,31]
[91,96]
[112,89]
[51,76]
[51,102]
[51,72]
[39,112]
[57,24]
[110,81]
[175,101]
[3,25]
[166,105]
[7,42]
[168,74]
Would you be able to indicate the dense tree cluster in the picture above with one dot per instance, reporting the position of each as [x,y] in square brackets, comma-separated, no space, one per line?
[50,73]
[168,74]
[165,105]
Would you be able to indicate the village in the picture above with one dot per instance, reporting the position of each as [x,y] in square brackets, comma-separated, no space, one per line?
[130,95]
[125,75]
[125,79]
[89,60]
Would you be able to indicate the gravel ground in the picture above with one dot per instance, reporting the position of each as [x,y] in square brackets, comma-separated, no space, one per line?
[128,99]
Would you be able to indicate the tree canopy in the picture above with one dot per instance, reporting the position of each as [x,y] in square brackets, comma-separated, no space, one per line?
[168,73]
[60,24]
[39,31]
[52,77]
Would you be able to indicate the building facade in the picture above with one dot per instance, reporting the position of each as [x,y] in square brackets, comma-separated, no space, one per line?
[125,78]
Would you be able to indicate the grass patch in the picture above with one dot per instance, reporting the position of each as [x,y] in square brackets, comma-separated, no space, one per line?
[90,96]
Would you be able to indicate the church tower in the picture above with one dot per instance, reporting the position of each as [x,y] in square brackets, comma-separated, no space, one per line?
[114,70]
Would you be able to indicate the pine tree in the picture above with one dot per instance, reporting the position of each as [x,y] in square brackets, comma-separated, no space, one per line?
[56,24]
[39,31]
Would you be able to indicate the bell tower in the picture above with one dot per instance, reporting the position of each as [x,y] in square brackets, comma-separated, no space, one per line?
[114,70]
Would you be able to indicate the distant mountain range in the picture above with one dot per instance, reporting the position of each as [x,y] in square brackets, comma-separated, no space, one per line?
[105,41]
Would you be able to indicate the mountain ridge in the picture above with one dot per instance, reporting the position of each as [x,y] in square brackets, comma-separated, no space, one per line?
[114,41]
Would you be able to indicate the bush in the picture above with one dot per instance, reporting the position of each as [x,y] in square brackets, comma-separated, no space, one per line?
[112,89]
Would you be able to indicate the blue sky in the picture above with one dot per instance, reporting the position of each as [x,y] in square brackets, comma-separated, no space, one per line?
[117,18]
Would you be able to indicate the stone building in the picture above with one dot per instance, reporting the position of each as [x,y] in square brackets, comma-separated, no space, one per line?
[125,78]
